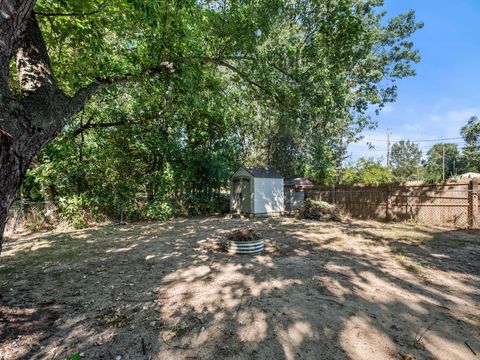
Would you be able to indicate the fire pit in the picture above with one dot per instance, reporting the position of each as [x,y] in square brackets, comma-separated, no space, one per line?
[244,241]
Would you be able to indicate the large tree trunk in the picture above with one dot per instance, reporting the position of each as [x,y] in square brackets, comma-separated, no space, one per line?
[14,161]
[28,121]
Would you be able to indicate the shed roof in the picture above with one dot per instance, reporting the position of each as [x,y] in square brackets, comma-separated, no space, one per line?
[298,182]
[261,172]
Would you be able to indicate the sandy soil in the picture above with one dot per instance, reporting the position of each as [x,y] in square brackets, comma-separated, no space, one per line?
[323,290]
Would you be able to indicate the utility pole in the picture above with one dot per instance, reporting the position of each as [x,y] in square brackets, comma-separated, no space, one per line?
[388,148]
[443,162]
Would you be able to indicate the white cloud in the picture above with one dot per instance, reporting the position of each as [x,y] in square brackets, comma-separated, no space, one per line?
[461,116]
[448,122]
[412,130]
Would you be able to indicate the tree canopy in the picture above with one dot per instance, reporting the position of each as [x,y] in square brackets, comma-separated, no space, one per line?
[406,158]
[470,159]
[441,157]
[166,98]
[368,171]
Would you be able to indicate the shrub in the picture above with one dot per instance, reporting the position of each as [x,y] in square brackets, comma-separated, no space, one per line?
[76,210]
[160,210]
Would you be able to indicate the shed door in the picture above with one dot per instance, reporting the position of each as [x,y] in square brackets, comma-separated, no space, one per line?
[236,194]
[246,196]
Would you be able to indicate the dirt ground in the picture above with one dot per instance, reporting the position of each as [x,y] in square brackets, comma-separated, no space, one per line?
[163,290]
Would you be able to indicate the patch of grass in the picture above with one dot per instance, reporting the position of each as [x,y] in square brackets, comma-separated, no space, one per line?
[475,318]
[397,250]
[412,267]
[369,243]
[117,317]
[59,274]
[45,257]
[104,245]
[6,269]
[455,239]
[65,239]
[59,239]
[28,260]
[409,236]
[65,255]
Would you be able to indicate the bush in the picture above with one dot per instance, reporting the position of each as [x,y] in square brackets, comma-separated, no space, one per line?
[160,210]
[76,210]
[206,204]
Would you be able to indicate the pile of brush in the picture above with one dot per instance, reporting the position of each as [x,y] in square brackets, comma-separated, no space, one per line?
[319,210]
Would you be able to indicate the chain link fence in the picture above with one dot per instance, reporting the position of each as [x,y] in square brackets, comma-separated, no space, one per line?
[37,216]
[453,204]
[46,215]
[32,216]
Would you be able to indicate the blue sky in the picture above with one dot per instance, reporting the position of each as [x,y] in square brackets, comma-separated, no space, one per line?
[438,101]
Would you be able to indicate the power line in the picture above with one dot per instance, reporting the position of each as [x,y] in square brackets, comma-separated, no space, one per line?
[431,146]
[433,140]
[385,148]
[416,141]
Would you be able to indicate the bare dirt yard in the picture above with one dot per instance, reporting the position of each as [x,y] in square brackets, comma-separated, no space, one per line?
[164,290]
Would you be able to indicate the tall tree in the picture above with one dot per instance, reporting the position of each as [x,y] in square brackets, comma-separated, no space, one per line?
[368,171]
[470,159]
[406,157]
[441,157]
[320,63]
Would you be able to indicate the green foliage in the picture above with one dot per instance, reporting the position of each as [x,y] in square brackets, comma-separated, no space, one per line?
[160,210]
[76,209]
[368,171]
[289,90]
[75,356]
[433,166]
[406,157]
[470,159]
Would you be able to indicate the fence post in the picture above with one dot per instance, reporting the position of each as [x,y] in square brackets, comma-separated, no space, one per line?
[388,204]
[473,210]
[18,216]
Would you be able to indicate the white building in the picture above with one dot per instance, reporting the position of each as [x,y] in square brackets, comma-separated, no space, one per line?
[256,191]
[470,175]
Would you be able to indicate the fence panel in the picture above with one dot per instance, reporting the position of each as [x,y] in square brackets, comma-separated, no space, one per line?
[452,204]
[32,215]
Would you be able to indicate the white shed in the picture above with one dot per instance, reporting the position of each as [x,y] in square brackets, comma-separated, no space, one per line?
[256,191]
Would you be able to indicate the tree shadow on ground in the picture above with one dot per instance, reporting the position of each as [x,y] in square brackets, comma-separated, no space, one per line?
[163,290]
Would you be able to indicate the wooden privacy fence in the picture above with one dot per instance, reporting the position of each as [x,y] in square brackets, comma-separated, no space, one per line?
[451,204]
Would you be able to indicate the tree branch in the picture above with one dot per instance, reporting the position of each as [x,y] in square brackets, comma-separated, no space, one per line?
[84,94]
[79,99]
[99,9]
[221,62]
[284,72]
[89,125]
